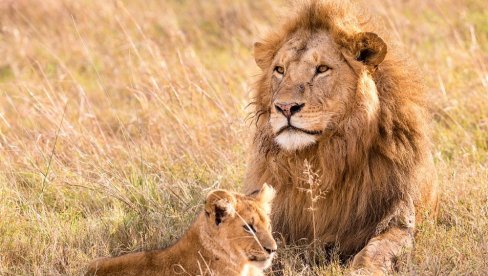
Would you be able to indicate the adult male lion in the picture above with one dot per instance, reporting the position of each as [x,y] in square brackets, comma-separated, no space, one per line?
[330,96]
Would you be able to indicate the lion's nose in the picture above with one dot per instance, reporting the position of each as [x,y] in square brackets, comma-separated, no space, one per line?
[288,109]
[270,250]
[271,247]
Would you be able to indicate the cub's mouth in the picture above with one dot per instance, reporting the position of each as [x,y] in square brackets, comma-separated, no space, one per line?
[261,262]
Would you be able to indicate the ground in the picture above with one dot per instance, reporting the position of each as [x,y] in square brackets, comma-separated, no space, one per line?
[116,117]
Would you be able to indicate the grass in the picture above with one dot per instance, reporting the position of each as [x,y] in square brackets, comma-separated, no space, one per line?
[116,117]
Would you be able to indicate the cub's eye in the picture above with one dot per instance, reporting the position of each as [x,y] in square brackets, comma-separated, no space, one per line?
[322,69]
[280,70]
[249,228]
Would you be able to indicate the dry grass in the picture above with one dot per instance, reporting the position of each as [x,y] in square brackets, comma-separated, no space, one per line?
[117,116]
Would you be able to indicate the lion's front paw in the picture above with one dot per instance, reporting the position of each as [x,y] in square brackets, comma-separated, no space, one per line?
[367,271]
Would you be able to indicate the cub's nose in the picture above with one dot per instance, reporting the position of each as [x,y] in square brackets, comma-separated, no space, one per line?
[270,250]
[271,246]
[288,109]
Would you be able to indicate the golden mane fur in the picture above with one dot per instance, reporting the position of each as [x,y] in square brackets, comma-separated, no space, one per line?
[372,169]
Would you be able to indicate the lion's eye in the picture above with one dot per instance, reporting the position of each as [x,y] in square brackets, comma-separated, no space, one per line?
[322,69]
[249,228]
[280,70]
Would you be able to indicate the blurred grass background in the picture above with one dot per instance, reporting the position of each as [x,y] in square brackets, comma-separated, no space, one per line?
[116,117]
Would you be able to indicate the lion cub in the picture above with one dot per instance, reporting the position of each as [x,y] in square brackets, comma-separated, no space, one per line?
[231,236]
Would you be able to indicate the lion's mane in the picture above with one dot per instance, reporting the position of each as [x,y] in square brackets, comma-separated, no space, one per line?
[368,170]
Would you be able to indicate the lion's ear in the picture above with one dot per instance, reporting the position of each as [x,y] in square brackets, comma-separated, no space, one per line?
[265,197]
[262,55]
[368,48]
[220,205]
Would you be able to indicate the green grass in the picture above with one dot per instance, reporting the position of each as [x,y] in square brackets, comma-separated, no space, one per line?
[155,97]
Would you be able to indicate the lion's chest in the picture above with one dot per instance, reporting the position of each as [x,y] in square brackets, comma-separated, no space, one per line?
[304,213]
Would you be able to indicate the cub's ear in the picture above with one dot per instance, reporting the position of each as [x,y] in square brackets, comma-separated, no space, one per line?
[220,205]
[368,48]
[265,197]
[262,55]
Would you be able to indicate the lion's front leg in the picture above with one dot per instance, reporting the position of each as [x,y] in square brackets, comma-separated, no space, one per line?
[396,236]
[379,255]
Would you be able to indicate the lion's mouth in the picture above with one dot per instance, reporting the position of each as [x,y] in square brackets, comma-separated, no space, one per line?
[262,261]
[256,259]
[293,128]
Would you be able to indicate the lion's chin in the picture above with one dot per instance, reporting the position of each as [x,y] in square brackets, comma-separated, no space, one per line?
[264,264]
[294,140]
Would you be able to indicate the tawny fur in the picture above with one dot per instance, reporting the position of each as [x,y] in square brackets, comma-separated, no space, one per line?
[373,158]
[216,243]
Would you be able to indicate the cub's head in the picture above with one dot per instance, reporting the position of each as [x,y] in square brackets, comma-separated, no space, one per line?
[316,76]
[241,224]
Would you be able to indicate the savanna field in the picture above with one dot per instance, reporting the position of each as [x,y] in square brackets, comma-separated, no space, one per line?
[117,117]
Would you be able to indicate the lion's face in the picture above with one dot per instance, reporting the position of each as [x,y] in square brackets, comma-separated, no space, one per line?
[312,87]
[313,83]
[242,225]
